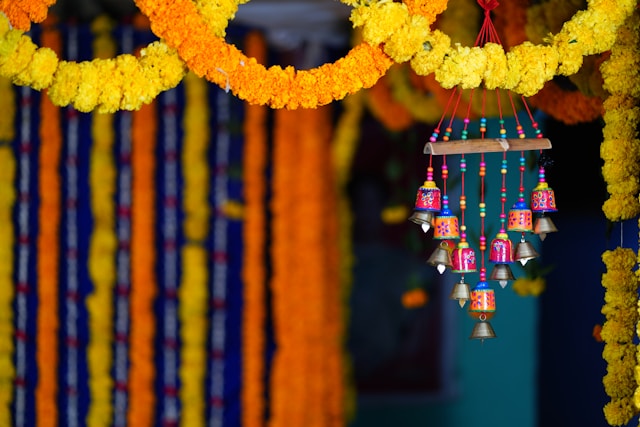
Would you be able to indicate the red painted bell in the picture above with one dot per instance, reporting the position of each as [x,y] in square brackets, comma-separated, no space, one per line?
[463,259]
[543,198]
[501,249]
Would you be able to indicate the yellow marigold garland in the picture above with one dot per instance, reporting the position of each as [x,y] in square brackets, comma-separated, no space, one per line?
[48,251]
[7,118]
[7,200]
[621,288]
[107,85]
[620,148]
[253,266]
[102,250]
[143,281]
[193,292]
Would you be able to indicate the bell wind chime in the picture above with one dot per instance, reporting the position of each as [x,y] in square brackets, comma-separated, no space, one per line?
[432,210]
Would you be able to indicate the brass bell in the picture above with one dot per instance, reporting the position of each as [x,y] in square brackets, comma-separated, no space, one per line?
[461,293]
[502,273]
[482,330]
[441,257]
[525,252]
[543,226]
[423,218]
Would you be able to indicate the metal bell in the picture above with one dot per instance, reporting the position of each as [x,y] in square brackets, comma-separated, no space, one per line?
[525,252]
[543,226]
[460,292]
[482,330]
[441,257]
[423,218]
[502,273]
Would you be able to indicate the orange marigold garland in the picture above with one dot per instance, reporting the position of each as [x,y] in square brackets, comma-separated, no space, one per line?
[22,13]
[253,267]
[286,373]
[226,66]
[143,280]
[48,251]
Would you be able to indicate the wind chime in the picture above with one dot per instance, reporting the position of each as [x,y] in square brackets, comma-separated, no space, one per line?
[432,210]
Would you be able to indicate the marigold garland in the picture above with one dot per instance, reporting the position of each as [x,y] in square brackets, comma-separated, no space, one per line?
[398,30]
[22,13]
[193,292]
[7,201]
[143,281]
[568,106]
[620,148]
[253,266]
[48,251]
[102,250]
[7,118]
[621,288]
[107,85]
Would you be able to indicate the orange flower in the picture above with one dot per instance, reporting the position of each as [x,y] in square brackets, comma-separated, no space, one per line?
[48,252]
[253,273]
[143,281]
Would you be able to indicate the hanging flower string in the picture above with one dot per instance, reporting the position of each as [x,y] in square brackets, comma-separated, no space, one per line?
[48,252]
[253,267]
[7,257]
[620,148]
[618,332]
[143,280]
[102,249]
[193,292]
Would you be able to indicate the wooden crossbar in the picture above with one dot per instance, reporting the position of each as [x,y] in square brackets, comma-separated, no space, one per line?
[486,145]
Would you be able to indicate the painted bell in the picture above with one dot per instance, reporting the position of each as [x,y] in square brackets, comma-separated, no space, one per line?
[428,198]
[520,218]
[543,198]
[428,202]
[463,259]
[501,249]
[482,301]
[446,225]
